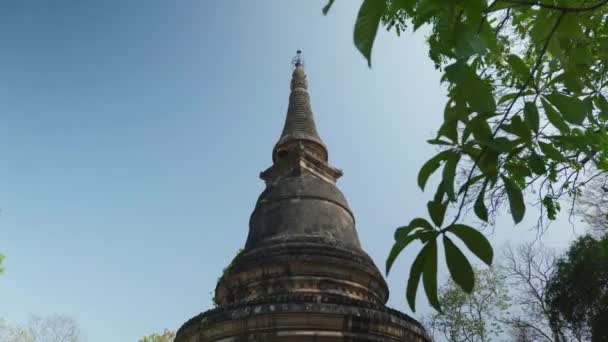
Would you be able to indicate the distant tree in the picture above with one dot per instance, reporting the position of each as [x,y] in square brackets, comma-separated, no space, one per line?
[527,270]
[166,336]
[54,328]
[523,334]
[593,206]
[10,333]
[474,317]
[577,293]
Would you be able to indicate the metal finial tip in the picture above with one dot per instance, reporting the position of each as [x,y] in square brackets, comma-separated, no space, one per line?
[297,60]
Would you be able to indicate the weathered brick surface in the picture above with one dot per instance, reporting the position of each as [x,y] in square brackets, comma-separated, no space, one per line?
[302,275]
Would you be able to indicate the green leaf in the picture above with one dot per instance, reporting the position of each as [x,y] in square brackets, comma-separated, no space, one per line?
[481,129]
[502,144]
[449,129]
[402,232]
[588,102]
[516,199]
[476,92]
[604,246]
[551,152]
[514,95]
[531,116]
[449,173]
[602,105]
[480,208]
[555,118]
[437,212]
[488,163]
[468,42]
[519,67]
[425,10]
[458,265]
[488,37]
[572,80]
[328,6]
[366,26]
[415,274]
[414,224]
[475,241]
[499,5]
[551,207]
[572,108]
[480,96]
[398,248]
[439,142]
[518,127]
[431,166]
[429,275]
[536,164]
[470,182]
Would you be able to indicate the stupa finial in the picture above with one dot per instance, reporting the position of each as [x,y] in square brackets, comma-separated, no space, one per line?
[297,60]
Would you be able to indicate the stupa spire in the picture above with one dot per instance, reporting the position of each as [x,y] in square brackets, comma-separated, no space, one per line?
[299,123]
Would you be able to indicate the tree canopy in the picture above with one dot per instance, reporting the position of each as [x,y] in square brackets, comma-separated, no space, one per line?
[53,328]
[577,293]
[524,124]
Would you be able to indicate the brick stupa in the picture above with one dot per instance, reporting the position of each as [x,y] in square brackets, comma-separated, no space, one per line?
[302,275]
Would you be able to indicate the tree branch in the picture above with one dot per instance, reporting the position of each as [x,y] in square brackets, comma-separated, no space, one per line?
[563,8]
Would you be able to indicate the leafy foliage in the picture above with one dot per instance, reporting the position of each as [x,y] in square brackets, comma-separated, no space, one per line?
[166,336]
[54,328]
[593,206]
[577,293]
[526,113]
[471,317]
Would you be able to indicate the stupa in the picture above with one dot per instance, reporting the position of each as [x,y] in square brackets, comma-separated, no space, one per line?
[302,275]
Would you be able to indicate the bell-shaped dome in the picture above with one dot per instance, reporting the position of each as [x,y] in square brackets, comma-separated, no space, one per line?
[302,206]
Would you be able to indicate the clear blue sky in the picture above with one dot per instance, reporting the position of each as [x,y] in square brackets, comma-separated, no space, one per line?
[132,134]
